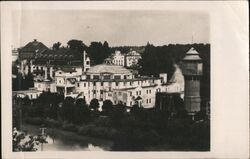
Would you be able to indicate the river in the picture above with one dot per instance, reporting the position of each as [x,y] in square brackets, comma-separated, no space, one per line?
[60,140]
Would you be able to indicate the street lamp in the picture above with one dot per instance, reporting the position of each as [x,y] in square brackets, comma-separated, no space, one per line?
[42,137]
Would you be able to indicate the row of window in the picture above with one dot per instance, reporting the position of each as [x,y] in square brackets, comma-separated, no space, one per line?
[106,77]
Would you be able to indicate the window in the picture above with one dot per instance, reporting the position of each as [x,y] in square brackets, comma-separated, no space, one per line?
[96,77]
[149,100]
[130,93]
[124,83]
[87,62]
[88,76]
[84,84]
[130,103]
[101,83]
[116,83]
[125,77]
[94,91]
[31,96]
[119,93]
[117,77]
[139,92]
[130,83]
[78,84]
[101,91]
[94,83]
[106,77]
[150,91]
[147,91]
[60,72]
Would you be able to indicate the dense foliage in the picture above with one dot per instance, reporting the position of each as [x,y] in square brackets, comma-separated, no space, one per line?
[139,129]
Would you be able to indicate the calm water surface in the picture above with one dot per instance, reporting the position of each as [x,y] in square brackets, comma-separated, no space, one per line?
[60,140]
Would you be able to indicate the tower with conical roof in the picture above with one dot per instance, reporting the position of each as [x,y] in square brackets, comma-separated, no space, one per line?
[192,71]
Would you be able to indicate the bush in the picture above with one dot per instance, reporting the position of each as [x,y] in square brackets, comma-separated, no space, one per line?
[52,123]
[69,127]
[100,131]
[34,121]
[103,121]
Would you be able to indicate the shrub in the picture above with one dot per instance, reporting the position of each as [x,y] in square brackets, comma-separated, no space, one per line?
[52,123]
[34,121]
[100,131]
[69,127]
[103,121]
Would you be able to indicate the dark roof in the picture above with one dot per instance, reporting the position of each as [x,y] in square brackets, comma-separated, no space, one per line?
[67,69]
[138,98]
[149,86]
[61,57]
[124,89]
[34,46]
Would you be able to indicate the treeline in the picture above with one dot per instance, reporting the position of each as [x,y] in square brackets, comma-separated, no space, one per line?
[97,51]
[126,49]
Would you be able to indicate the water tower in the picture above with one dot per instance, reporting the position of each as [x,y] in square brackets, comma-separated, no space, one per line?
[192,71]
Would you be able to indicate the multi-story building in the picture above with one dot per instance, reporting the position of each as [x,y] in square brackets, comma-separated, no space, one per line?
[118,58]
[14,55]
[38,59]
[128,60]
[132,58]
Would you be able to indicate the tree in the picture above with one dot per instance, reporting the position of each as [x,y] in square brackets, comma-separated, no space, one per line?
[94,104]
[56,46]
[23,142]
[82,113]
[68,109]
[107,107]
[29,81]
[76,45]
[98,52]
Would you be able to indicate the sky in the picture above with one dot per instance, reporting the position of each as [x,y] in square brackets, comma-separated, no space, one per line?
[118,28]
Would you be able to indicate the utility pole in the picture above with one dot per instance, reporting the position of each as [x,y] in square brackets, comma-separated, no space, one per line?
[42,136]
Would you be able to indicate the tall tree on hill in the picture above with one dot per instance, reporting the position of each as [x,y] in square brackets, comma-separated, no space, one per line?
[76,45]
[98,52]
[56,46]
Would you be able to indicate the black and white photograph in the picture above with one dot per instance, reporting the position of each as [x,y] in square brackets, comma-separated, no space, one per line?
[114,80]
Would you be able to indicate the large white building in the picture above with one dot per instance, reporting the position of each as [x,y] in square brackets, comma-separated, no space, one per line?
[111,82]
[118,58]
[132,58]
[128,60]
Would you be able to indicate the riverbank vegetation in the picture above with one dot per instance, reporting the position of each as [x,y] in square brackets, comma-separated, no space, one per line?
[137,130]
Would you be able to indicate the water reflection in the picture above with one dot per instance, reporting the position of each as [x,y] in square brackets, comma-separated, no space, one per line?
[59,140]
